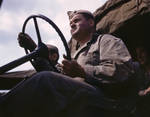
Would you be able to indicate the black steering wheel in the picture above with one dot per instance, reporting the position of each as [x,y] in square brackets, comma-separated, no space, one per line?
[40,43]
[40,51]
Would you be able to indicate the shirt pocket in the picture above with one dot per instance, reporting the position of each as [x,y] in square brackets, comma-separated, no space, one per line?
[92,58]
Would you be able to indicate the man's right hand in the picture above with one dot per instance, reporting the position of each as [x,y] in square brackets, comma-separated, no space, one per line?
[26,41]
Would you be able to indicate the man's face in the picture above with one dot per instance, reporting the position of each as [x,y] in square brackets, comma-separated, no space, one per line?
[79,26]
[141,55]
[53,58]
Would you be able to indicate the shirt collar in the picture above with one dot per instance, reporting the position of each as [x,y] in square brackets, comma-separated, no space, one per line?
[94,38]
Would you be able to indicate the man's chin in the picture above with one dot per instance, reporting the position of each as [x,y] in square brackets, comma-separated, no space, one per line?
[74,36]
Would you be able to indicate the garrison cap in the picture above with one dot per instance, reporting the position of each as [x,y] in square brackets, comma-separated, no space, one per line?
[72,13]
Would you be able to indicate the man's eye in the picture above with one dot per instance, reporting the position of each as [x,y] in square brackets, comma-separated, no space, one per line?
[76,20]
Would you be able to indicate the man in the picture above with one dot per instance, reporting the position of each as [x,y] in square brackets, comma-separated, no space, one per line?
[142,65]
[100,58]
[94,83]
[143,70]
[53,54]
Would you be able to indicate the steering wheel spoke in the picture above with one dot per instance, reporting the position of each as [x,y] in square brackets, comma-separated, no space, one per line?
[40,43]
[37,30]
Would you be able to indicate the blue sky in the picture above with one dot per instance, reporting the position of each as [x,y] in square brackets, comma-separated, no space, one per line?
[14,12]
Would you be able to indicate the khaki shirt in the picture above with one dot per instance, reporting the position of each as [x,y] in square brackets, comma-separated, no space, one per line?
[104,58]
[109,68]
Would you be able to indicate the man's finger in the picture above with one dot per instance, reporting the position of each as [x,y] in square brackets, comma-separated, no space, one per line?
[65,57]
[66,62]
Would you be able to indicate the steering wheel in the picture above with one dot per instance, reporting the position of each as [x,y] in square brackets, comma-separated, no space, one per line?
[40,43]
[40,51]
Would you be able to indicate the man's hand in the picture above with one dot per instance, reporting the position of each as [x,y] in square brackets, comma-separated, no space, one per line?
[73,69]
[25,41]
[145,92]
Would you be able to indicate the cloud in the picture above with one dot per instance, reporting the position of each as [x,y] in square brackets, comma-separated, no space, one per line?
[81,4]
[10,53]
[18,5]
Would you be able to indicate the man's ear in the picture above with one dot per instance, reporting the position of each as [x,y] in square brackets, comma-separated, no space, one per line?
[91,22]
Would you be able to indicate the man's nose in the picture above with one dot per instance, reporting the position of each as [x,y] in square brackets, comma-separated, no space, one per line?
[72,25]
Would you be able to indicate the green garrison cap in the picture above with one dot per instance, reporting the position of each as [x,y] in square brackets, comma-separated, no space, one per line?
[72,13]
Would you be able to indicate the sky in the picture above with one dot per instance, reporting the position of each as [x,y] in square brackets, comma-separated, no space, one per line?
[13,13]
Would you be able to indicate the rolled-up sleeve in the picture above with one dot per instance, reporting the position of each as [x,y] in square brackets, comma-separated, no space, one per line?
[115,63]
